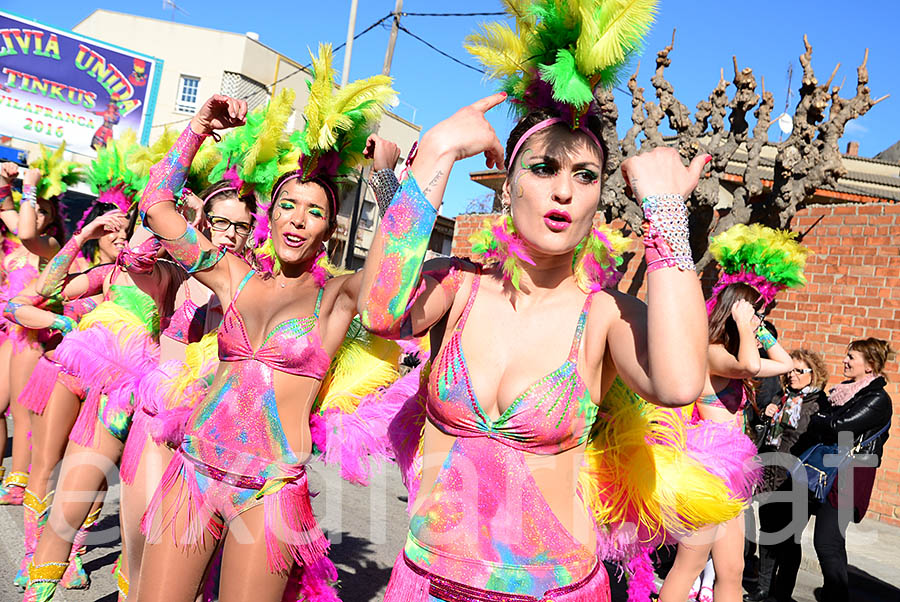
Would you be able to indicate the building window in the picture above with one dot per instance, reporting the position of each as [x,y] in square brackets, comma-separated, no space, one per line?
[367,216]
[188,88]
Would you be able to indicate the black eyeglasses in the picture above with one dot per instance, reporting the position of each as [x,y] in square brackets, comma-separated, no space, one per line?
[801,371]
[221,224]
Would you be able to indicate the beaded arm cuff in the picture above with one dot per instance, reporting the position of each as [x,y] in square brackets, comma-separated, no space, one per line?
[666,240]
[385,184]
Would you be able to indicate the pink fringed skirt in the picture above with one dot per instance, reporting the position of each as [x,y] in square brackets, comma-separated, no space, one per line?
[209,499]
[40,385]
[727,453]
[411,583]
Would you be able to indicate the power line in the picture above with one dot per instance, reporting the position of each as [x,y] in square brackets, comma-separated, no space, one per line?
[496,14]
[439,51]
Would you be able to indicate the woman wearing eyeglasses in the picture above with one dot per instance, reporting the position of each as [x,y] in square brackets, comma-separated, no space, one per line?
[188,359]
[788,420]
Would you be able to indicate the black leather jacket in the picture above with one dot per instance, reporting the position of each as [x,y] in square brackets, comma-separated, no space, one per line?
[864,414]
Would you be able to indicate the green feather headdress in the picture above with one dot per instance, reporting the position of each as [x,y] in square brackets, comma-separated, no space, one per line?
[559,51]
[248,155]
[338,122]
[57,174]
[111,174]
[768,260]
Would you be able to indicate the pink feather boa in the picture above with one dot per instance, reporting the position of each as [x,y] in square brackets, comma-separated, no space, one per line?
[106,363]
[727,453]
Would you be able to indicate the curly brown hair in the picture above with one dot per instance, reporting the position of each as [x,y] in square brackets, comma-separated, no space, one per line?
[814,361]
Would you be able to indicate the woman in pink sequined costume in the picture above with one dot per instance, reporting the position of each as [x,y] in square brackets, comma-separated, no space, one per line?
[736,311]
[496,514]
[9,244]
[168,394]
[240,466]
[39,228]
[113,346]
[52,415]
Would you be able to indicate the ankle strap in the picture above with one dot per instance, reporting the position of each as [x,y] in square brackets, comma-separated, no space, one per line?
[19,479]
[49,572]
[122,584]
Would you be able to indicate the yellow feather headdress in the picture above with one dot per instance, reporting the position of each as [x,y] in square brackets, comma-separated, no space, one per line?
[558,51]
[57,174]
[338,122]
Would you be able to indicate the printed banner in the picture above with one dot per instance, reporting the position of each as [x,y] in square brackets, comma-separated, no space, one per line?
[57,85]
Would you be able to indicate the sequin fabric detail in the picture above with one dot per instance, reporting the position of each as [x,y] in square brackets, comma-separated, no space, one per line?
[552,415]
[293,346]
[168,176]
[236,428]
[486,523]
[732,398]
[187,324]
[405,231]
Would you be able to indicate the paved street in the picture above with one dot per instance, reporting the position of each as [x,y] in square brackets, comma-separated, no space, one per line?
[367,527]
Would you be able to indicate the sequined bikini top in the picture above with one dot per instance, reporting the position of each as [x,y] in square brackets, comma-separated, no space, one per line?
[551,416]
[188,323]
[293,346]
[732,398]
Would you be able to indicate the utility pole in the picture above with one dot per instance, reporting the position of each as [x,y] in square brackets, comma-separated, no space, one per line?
[348,52]
[358,202]
[395,28]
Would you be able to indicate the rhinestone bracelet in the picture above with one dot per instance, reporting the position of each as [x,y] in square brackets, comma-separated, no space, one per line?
[29,195]
[667,217]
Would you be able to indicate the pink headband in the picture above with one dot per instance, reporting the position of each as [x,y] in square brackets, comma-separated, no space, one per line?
[332,196]
[545,124]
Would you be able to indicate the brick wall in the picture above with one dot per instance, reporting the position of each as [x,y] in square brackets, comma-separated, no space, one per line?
[853,292]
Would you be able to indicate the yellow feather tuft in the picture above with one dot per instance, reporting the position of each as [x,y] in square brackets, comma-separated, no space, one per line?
[610,32]
[500,49]
[637,472]
[361,365]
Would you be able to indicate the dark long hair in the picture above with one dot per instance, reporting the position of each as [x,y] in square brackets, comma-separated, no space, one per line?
[722,327]
[90,247]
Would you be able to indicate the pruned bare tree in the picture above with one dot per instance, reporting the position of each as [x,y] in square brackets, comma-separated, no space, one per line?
[807,160]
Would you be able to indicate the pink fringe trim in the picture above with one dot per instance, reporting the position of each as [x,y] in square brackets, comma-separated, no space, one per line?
[134,446]
[188,499]
[291,524]
[39,386]
[405,585]
[313,583]
[727,453]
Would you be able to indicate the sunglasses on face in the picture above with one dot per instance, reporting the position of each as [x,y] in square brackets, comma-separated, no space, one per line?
[801,371]
[221,224]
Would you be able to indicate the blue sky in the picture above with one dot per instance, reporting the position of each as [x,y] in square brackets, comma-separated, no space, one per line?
[766,35]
